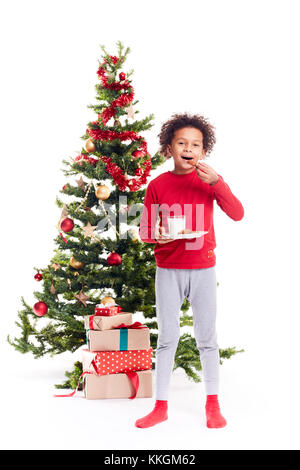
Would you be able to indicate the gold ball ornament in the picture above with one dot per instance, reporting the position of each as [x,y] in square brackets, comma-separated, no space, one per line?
[102,192]
[133,234]
[90,146]
[107,300]
[76,264]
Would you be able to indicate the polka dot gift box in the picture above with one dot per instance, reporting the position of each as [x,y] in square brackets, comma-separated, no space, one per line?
[113,362]
[108,309]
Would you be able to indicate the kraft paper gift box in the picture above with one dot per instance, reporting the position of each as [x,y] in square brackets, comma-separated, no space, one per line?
[117,386]
[122,339]
[113,362]
[95,322]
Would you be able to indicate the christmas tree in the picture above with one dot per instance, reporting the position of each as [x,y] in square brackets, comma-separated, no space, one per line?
[98,251]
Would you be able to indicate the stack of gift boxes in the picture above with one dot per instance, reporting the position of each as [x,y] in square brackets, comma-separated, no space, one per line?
[117,362]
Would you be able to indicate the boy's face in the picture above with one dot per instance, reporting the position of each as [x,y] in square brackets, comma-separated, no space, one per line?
[186,142]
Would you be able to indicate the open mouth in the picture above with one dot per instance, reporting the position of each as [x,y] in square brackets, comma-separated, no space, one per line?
[186,158]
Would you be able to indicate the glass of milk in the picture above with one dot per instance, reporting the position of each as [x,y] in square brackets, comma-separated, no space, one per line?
[176,223]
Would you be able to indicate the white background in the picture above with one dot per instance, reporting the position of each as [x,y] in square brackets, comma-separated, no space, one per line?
[237,64]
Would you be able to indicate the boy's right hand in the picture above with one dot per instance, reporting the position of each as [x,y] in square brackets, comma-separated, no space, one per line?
[160,239]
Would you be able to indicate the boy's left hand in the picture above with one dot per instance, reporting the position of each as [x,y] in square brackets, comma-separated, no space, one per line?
[206,173]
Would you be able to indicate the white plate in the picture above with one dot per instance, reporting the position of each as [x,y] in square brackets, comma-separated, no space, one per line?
[196,234]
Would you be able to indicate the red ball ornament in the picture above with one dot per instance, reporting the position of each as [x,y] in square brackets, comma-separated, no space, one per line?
[40,309]
[67,225]
[38,277]
[114,259]
[138,154]
[122,76]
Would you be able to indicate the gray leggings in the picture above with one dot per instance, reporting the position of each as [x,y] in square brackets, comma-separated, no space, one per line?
[199,286]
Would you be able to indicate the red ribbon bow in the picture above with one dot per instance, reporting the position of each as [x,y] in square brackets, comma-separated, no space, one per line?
[134,326]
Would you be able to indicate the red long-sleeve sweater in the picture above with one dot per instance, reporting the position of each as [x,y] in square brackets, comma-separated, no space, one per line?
[172,194]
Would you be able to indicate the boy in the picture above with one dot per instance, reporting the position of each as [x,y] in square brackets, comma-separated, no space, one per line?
[186,268]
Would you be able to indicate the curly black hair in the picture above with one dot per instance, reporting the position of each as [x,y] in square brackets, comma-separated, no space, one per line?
[178,121]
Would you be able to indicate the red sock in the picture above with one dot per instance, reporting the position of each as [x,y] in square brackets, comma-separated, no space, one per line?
[159,414]
[214,419]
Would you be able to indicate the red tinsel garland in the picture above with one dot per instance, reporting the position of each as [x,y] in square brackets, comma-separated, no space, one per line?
[112,168]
